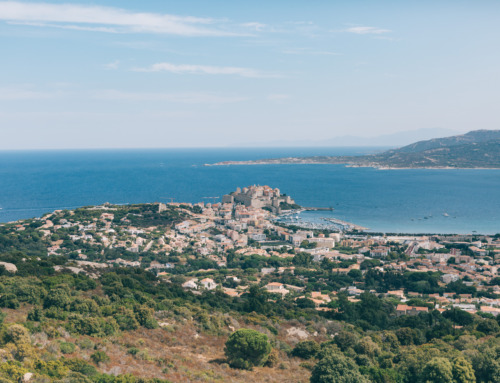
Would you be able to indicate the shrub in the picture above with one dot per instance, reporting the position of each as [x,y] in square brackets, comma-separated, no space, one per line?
[133,350]
[144,315]
[306,350]
[246,348]
[35,315]
[99,357]
[438,370]
[335,367]
[80,366]
[57,298]
[9,301]
[17,334]
[86,344]
[67,347]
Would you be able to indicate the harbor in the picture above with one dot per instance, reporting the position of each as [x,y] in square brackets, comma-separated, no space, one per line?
[294,218]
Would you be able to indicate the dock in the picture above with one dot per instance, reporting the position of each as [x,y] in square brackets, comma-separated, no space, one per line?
[346,225]
[318,208]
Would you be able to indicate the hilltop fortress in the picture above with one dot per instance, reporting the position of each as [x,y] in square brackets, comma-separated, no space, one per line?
[259,197]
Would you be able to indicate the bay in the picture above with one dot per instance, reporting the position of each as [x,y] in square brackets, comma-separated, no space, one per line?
[408,200]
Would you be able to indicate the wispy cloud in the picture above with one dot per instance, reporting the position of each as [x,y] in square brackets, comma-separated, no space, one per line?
[277,97]
[23,93]
[108,19]
[112,65]
[256,26]
[185,98]
[308,51]
[367,30]
[205,69]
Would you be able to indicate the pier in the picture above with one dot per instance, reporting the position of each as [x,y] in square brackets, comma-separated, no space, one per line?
[317,208]
[346,226]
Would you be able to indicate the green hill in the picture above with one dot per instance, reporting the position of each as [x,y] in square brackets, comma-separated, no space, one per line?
[476,149]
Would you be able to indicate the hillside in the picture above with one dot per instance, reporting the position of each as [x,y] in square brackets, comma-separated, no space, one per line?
[454,153]
[476,149]
[126,294]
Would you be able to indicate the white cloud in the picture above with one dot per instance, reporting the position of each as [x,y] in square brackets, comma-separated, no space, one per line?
[106,19]
[185,98]
[205,69]
[367,30]
[258,27]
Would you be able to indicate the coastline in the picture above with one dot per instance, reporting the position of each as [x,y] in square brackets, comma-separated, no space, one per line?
[347,165]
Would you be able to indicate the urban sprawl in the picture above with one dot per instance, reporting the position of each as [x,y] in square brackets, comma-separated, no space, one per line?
[289,262]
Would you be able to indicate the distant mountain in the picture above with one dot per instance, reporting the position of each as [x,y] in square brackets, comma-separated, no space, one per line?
[476,136]
[388,140]
[385,140]
[456,154]
[476,149]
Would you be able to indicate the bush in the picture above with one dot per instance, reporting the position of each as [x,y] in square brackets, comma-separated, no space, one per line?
[306,350]
[246,348]
[67,347]
[488,326]
[133,351]
[335,367]
[35,315]
[9,301]
[99,357]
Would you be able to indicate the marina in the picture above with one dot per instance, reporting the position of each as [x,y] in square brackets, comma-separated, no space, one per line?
[294,218]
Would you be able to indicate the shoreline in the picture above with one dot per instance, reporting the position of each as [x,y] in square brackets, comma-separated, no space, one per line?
[345,164]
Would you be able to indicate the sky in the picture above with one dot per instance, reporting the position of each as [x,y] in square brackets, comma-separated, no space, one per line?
[151,74]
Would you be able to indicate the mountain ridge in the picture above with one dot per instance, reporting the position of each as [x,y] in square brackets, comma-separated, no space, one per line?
[475,149]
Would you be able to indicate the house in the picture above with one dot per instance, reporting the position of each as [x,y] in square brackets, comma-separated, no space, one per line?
[381,251]
[495,311]
[276,288]
[448,278]
[410,310]
[397,293]
[190,284]
[208,284]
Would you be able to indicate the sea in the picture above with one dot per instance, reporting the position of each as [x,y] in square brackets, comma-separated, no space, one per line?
[460,201]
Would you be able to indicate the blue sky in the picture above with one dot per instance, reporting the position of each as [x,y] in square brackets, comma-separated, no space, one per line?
[106,74]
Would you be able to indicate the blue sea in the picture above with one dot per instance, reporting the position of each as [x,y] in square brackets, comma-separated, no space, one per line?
[454,201]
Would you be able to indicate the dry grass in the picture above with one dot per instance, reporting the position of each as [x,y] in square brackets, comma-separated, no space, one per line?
[186,356]
[178,353]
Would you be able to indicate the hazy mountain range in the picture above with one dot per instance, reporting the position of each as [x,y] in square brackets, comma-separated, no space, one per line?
[476,149]
[386,140]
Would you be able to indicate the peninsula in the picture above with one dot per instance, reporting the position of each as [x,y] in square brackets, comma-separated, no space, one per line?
[476,149]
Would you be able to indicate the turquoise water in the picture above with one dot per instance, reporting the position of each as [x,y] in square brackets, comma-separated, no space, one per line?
[33,183]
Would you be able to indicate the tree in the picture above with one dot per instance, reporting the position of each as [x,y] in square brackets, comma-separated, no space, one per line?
[367,346]
[58,298]
[486,364]
[99,357]
[345,340]
[463,371]
[257,300]
[334,367]
[305,303]
[306,349]
[246,348]
[488,326]
[438,370]
[302,259]
[461,317]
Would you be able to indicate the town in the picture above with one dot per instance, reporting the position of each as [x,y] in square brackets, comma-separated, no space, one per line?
[236,243]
